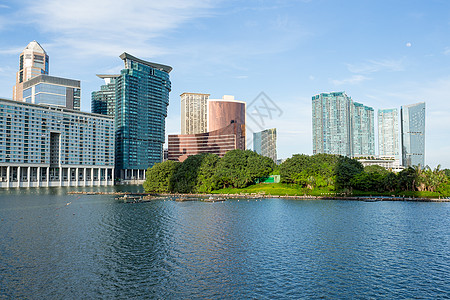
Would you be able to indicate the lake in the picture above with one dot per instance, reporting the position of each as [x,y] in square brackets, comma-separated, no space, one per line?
[59,246]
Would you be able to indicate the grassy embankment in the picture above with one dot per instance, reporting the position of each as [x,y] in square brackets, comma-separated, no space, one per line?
[282,189]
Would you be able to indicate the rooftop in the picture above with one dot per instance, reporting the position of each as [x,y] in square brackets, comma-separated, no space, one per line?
[161,67]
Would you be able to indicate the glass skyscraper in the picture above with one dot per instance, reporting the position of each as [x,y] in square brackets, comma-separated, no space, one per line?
[341,126]
[413,134]
[104,101]
[388,134]
[142,97]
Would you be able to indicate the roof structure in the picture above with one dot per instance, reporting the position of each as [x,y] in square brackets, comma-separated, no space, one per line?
[161,67]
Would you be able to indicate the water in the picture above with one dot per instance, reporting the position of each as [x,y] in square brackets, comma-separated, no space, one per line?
[97,247]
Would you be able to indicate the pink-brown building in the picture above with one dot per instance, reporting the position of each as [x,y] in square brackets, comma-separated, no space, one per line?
[226,131]
[217,142]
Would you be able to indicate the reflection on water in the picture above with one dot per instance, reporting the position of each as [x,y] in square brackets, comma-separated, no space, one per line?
[55,245]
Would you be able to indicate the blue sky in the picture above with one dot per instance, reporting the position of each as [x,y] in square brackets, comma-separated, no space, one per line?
[383,54]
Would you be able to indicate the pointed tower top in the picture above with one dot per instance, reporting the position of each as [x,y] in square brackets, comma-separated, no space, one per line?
[35,47]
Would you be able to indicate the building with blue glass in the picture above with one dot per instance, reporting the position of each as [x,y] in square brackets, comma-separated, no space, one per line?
[363,130]
[388,134]
[104,101]
[50,90]
[142,97]
[413,134]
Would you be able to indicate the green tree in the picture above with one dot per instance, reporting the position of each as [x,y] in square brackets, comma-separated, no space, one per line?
[345,170]
[159,177]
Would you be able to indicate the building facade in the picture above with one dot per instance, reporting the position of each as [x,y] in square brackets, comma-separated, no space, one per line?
[33,61]
[413,134]
[363,131]
[104,101]
[194,113]
[341,126]
[50,90]
[217,142]
[45,146]
[142,97]
[388,134]
[332,128]
[265,143]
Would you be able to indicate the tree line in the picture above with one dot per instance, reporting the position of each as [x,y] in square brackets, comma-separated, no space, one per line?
[204,173]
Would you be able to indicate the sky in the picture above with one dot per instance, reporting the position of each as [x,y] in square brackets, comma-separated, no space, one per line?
[275,55]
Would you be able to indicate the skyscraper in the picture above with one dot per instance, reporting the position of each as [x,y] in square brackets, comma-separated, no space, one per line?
[388,134]
[226,131]
[33,61]
[341,126]
[142,97]
[226,111]
[363,130]
[331,123]
[265,143]
[413,134]
[104,101]
[194,113]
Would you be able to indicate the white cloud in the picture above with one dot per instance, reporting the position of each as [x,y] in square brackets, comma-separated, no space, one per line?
[447,51]
[108,27]
[355,79]
[372,66]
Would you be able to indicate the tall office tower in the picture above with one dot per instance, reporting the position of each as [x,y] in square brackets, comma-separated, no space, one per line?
[265,143]
[331,114]
[142,97]
[33,61]
[413,134]
[388,132]
[104,101]
[226,111]
[44,89]
[363,130]
[194,113]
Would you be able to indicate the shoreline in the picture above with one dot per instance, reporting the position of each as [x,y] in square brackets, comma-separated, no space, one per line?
[266,196]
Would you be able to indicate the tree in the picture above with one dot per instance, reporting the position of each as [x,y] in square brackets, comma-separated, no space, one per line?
[158,179]
[345,170]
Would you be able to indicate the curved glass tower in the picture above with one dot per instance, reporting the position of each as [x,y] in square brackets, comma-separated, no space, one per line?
[142,97]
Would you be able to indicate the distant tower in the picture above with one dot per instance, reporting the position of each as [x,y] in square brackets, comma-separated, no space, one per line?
[341,126]
[194,113]
[388,132]
[265,143]
[104,101]
[363,130]
[33,62]
[413,134]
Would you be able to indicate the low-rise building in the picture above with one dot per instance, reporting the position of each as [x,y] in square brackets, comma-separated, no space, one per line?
[46,146]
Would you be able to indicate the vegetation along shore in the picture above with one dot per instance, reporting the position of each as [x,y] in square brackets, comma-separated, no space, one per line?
[318,176]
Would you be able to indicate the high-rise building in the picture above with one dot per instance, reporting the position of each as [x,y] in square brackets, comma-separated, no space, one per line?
[265,143]
[413,134]
[194,113]
[363,130]
[142,97]
[104,101]
[332,123]
[226,131]
[33,61]
[45,146]
[44,89]
[388,133]
[341,126]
